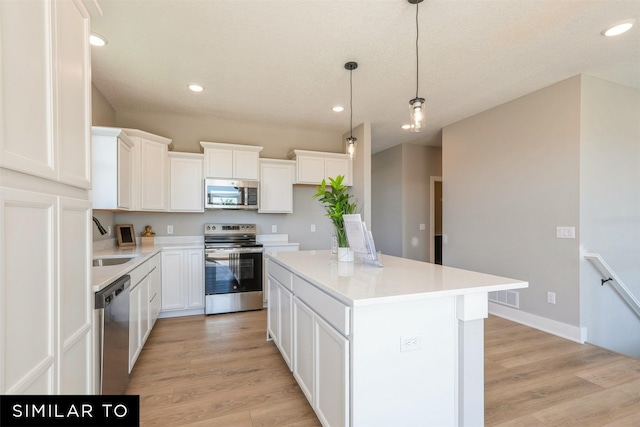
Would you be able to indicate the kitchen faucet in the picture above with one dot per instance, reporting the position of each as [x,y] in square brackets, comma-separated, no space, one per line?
[100,227]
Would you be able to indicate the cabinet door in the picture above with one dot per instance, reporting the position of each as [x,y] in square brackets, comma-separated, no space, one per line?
[245,165]
[218,163]
[310,169]
[334,167]
[285,323]
[332,375]
[276,188]
[186,185]
[154,176]
[27,289]
[135,298]
[195,277]
[73,93]
[144,311]
[173,286]
[273,309]
[75,272]
[125,164]
[26,134]
[303,351]
[155,291]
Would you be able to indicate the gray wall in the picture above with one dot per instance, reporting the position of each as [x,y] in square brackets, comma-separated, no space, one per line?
[307,211]
[401,198]
[102,113]
[610,209]
[510,177]
[361,189]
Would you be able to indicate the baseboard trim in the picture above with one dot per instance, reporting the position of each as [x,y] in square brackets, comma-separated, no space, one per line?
[562,330]
[180,313]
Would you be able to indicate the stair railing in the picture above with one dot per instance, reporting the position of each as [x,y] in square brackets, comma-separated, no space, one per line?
[609,276]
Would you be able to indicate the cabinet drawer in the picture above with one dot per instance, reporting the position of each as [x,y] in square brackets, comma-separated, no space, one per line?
[327,307]
[154,262]
[282,275]
[138,273]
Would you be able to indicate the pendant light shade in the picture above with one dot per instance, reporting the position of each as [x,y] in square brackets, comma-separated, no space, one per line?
[417,112]
[351,141]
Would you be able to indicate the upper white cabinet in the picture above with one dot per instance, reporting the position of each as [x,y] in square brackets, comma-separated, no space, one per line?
[186,182]
[112,169]
[314,166]
[45,87]
[231,161]
[276,185]
[150,187]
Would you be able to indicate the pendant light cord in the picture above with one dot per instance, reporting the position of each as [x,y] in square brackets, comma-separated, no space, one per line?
[417,60]
[351,103]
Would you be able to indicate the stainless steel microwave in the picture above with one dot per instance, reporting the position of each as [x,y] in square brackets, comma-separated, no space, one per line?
[230,194]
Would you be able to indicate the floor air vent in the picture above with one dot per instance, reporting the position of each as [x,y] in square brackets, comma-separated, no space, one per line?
[509,298]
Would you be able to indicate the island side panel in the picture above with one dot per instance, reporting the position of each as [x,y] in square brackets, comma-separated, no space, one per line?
[414,387]
[471,310]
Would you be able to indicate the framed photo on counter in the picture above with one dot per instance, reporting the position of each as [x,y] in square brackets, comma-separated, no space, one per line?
[126,235]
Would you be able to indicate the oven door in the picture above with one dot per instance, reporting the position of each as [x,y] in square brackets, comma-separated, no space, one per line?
[230,270]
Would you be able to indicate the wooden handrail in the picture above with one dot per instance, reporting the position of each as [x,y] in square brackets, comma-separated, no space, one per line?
[609,276]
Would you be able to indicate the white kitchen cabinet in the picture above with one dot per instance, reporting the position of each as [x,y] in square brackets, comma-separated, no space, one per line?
[331,379]
[144,283]
[311,331]
[276,186]
[182,282]
[155,290]
[45,294]
[304,348]
[112,169]
[231,161]
[46,93]
[186,182]
[150,179]
[314,166]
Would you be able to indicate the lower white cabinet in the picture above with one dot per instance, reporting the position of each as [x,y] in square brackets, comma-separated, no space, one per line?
[145,283]
[314,349]
[182,282]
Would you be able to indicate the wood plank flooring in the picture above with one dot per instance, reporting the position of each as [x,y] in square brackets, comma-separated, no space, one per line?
[220,371]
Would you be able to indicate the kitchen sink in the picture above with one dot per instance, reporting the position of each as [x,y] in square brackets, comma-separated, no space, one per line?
[108,261]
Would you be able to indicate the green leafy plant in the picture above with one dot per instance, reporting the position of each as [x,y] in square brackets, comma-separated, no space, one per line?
[336,201]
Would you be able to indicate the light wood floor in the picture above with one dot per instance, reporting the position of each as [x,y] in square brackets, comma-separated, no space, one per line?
[219,371]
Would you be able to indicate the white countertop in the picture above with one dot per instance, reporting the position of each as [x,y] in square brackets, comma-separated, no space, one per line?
[103,276]
[400,279]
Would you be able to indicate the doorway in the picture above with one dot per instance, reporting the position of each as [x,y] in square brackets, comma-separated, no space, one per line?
[435,222]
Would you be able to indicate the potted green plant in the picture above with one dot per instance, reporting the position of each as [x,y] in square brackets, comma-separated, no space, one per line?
[336,200]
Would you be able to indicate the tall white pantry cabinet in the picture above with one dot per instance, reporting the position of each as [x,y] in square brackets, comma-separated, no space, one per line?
[45,211]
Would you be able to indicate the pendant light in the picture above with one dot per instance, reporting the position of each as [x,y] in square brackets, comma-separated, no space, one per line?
[351,141]
[417,118]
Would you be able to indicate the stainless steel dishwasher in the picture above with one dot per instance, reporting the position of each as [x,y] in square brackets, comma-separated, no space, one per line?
[112,310]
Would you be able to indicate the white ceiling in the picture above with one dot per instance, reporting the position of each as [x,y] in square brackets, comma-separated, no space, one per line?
[282,61]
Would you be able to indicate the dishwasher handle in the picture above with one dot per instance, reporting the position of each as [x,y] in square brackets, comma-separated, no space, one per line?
[106,296]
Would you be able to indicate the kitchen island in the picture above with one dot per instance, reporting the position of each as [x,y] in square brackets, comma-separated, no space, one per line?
[398,345]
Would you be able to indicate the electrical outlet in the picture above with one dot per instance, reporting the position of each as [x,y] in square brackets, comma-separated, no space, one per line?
[169,229]
[274,228]
[108,230]
[410,342]
[423,227]
[566,232]
[313,228]
[551,297]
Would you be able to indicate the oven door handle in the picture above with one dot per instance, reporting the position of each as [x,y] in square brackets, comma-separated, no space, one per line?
[233,251]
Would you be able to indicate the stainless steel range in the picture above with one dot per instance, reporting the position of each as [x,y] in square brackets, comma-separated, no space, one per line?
[233,268]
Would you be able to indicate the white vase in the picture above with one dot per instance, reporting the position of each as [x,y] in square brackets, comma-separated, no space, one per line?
[345,255]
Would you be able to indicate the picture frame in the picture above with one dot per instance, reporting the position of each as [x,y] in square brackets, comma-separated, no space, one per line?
[126,235]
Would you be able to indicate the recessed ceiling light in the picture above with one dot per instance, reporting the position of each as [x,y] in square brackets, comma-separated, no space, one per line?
[196,88]
[338,108]
[619,28]
[97,40]
[406,127]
